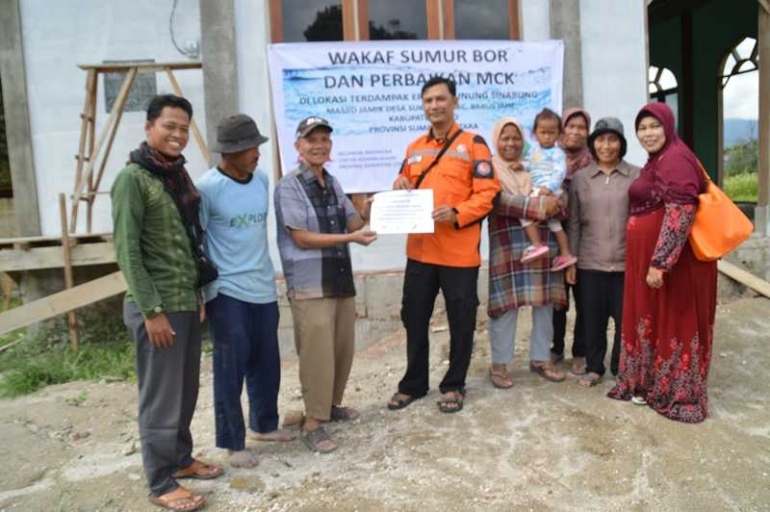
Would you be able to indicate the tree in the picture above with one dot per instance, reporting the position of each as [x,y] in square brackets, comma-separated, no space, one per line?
[327,25]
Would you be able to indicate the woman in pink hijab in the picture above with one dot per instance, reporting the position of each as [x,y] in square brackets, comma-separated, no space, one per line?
[669,301]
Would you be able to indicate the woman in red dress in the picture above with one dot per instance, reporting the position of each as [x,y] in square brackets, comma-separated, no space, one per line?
[670,296]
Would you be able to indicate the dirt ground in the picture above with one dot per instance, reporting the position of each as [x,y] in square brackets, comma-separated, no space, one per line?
[538,446]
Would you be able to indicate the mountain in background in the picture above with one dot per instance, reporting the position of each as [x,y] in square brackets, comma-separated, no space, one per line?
[739,130]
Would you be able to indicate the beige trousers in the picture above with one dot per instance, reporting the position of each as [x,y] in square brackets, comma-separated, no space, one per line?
[324,335]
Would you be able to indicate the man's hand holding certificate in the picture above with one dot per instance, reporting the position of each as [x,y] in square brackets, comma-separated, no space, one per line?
[402,211]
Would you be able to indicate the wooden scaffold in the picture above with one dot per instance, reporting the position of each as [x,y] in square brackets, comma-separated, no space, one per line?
[91,150]
[91,160]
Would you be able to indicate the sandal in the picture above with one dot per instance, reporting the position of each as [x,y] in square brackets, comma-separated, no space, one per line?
[534,252]
[578,366]
[199,471]
[447,404]
[500,380]
[314,438]
[545,370]
[562,262]
[589,380]
[638,400]
[398,402]
[179,500]
[343,414]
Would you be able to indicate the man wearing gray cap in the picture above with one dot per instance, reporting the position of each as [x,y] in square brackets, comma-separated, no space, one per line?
[316,221]
[241,304]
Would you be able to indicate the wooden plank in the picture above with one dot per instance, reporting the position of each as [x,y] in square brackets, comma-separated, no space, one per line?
[763,43]
[750,280]
[363,20]
[49,238]
[93,186]
[83,255]
[514,20]
[142,67]
[434,24]
[85,122]
[448,18]
[193,126]
[76,195]
[276,22]
[62,302]
[72,321]
[348,20]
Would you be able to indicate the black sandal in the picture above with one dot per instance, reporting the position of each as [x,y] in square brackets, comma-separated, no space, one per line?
[450,405]
[314,438]
[397,403]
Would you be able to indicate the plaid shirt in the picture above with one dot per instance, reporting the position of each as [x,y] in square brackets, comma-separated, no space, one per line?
[511,284]
[301,203]
[151,244]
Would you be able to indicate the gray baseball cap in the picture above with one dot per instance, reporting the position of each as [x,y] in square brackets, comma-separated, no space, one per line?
[237,133]
[309,124]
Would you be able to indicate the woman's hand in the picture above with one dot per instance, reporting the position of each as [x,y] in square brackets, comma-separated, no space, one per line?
[654,278]
[571,275]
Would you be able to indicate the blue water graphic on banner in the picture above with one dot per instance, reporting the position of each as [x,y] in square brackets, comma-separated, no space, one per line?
[376,110]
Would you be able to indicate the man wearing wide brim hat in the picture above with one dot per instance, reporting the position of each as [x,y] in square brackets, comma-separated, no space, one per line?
[241,304]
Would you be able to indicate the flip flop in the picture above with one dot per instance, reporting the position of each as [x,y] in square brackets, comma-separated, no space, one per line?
[343,414]
[187,502]
[502,376]
[451,405]
[397,403]
[314,438]
[547,372]
[199,471]
[589,380]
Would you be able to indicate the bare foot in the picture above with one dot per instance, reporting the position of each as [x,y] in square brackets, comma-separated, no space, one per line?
[243,459]
[279,436]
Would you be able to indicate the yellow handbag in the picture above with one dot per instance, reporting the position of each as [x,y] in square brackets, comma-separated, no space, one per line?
[719,225]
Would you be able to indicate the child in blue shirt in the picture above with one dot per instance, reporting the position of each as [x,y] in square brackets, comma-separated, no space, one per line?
[547,168]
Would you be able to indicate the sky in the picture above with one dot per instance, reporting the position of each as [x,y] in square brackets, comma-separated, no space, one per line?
[741,96]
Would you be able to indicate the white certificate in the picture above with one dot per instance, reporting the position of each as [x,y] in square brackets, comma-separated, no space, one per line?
[402,211]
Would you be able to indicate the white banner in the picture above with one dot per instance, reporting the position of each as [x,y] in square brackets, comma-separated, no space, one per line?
[370,93]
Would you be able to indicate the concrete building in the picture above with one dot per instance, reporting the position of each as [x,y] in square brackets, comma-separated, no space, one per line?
[606,71]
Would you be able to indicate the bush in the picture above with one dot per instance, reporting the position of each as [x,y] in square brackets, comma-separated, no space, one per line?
[742,187]
[105,351]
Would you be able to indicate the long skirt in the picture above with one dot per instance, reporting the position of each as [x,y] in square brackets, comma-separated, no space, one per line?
[667,333]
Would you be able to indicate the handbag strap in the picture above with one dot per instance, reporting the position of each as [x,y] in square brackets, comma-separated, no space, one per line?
[438,157]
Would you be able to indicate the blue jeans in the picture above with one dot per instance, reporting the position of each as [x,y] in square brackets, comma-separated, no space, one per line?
[245,339]
[502,334]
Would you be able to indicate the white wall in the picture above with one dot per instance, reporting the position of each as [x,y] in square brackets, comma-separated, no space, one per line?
[614,83]
[252,36]
[58,35]
[614,63]
[535,20]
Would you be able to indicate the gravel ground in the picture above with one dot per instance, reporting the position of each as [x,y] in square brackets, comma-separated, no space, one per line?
[538,446]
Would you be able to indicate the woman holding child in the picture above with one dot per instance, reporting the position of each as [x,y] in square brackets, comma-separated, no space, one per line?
[513,284]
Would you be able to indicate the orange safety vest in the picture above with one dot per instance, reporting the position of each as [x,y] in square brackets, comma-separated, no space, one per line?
[463,179]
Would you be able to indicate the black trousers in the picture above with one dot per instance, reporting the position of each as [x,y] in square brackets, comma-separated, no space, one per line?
[560,326]
[601,298]
[168,392]
[422,282]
